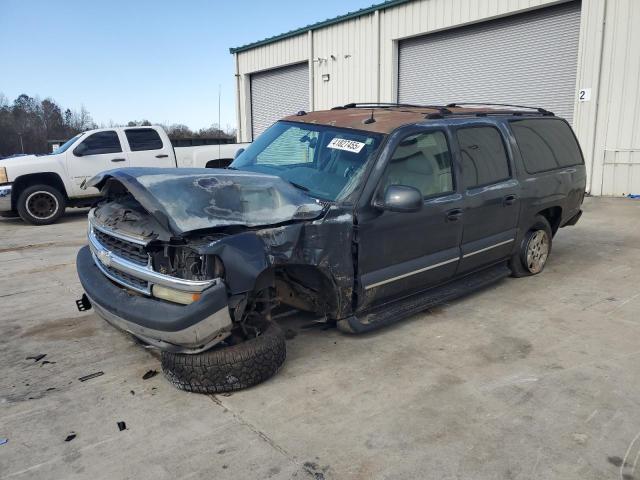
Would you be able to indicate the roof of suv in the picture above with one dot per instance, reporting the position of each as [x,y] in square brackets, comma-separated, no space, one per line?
[389,117]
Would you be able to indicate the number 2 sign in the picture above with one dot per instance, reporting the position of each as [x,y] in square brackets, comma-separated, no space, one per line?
[584,94]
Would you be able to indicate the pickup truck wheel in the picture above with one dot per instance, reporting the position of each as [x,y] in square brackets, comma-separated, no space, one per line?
[534,250]
[228,368]
[40,205]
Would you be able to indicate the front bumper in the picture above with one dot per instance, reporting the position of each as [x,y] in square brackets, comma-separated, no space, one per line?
[5,198]
[180,328]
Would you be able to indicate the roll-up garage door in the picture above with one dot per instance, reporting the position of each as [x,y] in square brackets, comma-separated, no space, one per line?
[526,59]
[277,93]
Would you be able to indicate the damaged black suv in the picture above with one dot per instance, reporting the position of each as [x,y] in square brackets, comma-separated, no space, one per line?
[363,214]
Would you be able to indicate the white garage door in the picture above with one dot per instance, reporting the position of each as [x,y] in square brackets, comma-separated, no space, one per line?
[277,93]
[526,59]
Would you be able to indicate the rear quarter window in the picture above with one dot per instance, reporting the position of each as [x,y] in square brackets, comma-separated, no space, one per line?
[546,144]
[143,139]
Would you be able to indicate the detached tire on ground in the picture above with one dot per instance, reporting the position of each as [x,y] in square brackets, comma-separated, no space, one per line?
[40,204]
[229,368]
[534,251]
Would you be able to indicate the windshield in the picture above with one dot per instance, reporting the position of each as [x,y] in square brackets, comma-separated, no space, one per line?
[325,162]
[63,148]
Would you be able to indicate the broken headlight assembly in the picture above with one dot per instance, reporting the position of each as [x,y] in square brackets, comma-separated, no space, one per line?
[185,263]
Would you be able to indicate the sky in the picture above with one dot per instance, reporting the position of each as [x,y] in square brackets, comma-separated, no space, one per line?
[142,59]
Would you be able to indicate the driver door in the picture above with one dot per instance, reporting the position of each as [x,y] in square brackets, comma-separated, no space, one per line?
[98,152]
[400,253]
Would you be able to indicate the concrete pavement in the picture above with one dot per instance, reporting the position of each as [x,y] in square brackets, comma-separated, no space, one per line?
[533,378]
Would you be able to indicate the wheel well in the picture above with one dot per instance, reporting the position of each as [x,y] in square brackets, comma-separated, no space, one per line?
[46,178]
[553,216]
[305,287]
[219,163]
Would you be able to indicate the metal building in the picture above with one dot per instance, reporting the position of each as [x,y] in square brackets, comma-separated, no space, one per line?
[580,59]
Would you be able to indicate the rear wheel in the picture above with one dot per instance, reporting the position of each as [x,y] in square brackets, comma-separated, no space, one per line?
[41,204]
[534,250]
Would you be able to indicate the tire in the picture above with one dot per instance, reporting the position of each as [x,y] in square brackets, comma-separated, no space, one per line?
[229,368]
[41,204]
[534,251]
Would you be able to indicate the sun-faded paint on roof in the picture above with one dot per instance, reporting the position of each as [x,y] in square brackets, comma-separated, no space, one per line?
[387,118]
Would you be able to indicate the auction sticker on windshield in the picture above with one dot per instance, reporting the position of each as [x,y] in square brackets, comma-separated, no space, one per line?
[347,145]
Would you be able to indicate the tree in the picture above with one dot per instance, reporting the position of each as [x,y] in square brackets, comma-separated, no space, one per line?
[28,122]
[178,130]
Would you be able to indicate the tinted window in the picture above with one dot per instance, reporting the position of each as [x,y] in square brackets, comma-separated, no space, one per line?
[143,139]
[484,159]
[546,144]
[99,143]
[421,161]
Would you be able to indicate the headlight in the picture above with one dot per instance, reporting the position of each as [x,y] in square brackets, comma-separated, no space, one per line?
[175,296]
[3,175]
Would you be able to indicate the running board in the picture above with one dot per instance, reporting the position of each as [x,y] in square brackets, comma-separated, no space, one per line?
[391,313]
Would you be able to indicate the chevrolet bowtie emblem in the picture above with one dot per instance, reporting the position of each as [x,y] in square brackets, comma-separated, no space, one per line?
[105,257]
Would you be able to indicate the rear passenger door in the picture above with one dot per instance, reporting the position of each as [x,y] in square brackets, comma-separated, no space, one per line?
[491,196]
[146,148]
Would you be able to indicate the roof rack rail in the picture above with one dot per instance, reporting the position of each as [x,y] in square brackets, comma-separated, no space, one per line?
[487,104]
[442,109]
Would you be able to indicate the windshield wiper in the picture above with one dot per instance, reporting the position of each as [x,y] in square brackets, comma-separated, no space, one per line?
[298,186]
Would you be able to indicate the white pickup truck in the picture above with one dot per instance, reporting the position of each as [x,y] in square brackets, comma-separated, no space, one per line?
[38,188]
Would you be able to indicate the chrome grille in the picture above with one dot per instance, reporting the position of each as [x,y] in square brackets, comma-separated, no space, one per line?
[128,250]
[126,279]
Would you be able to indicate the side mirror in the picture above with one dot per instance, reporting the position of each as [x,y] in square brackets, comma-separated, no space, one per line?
[238,152]
[80,149]
[402,198]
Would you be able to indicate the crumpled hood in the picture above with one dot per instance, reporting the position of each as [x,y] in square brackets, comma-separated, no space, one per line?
[188,199]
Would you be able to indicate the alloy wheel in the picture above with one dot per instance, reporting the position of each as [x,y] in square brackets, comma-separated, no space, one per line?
[537,251]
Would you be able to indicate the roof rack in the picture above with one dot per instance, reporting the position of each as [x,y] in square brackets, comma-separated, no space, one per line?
[486,104]
[442,109]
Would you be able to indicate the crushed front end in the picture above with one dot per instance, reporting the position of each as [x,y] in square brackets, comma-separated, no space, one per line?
[166,295]
[190,260]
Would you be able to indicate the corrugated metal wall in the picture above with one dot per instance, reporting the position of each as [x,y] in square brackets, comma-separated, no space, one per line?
[360,56]
[347,53]
[617,140]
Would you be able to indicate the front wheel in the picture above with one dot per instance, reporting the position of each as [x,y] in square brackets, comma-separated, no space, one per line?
[534,250]
[228,368]
[40,204]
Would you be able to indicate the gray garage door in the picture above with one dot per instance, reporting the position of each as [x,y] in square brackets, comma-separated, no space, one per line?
[527,59]
[277,93]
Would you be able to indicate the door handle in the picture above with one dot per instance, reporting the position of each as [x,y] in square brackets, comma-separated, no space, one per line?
[509,200]
[162,156]
[117,159]
[454,215]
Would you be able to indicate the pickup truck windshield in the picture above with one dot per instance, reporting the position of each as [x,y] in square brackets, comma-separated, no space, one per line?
[63,148]
[325,162]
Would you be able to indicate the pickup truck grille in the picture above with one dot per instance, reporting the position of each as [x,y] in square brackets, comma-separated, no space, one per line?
[131,251]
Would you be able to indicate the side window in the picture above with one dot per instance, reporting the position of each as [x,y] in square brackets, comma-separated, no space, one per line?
[99,143]
[143,139]
[422,161]
[546,144]
[484,159]
[296,145]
